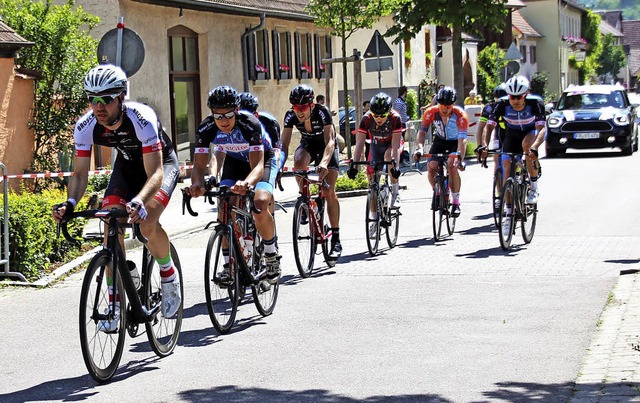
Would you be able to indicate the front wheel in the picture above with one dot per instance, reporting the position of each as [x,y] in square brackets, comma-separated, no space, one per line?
[497,191]
[529,218]
[222,297]
[438,209]
[372,225]
[264,293]
[101,350]
[507,221]
[162,332]
[393,226]
[304,241]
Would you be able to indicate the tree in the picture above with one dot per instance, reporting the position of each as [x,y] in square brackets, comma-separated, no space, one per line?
[591,35]
[62,55]
[490,63]
[458,15]
[345,17]
[611,59]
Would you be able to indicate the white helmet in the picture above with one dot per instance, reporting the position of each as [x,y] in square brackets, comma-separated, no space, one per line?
[105,79]
[517,85]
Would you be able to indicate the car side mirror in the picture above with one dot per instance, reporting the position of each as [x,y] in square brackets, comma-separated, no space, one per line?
[549,107]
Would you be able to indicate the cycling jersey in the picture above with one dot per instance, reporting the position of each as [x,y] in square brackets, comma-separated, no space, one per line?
[484,117]
[272,127]
[383,133]
[139,133]
[313,141]
[525,120]
[456,127]
[246,136]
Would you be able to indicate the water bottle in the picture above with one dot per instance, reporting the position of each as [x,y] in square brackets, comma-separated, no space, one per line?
[247,240]
[135,275]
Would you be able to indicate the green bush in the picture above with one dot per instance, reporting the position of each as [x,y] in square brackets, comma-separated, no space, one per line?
[33,242]
[97,183]
[412,104]
[344,183]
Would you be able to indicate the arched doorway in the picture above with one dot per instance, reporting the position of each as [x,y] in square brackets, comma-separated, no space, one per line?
[468,74]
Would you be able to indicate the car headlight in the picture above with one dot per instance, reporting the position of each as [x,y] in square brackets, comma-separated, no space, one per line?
[621,120]
[554,122]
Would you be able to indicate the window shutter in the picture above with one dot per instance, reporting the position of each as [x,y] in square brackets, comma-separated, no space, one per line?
[275,39]
[316,55]
[296,46]
[288,53]
[265,49]
[329,68]
[309,53]
[250,43]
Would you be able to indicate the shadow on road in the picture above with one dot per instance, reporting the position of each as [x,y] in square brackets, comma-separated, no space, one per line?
[497,251]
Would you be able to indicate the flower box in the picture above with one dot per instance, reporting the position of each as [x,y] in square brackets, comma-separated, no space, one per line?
[261,72]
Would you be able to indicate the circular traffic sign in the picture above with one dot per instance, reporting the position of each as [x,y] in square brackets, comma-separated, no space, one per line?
[132,55]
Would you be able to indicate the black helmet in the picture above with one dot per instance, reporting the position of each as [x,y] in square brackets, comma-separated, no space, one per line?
[380,104]
[301,94]
[223,97]
[446,96]
[500,91]
[248,102]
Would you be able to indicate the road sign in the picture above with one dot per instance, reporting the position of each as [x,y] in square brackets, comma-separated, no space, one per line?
[386,63]
[513,53]
[132,50]
[377,47]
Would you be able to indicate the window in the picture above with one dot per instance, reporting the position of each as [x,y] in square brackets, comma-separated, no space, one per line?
[523,52]
[322,51]
[407,52]
[532,54]
[257,45]
[304,62]
[427,48]
[281,55]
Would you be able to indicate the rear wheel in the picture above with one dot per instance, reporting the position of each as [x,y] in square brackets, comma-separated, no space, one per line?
[304,241]
[437,209]
[162,332]
[506,223]
[101,350]
[372,225]
[222,298]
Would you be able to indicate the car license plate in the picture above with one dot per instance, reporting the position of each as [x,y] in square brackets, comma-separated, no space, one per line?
[586,136]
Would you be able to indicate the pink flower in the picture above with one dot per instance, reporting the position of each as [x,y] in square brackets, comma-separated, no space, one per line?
[283,67]
[305,67]
[260,68]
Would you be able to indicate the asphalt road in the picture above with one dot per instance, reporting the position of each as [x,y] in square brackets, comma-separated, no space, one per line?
[453,321]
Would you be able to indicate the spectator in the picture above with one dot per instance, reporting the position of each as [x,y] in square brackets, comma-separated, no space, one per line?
[400,106]
[365,107]
[472,99]
[435,96]
[320,99]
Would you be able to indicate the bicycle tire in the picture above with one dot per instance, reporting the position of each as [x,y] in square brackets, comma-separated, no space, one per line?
[162,332]
[101,351]
[264,293]
[508,191]
[451,220]
[436,208]
[529,217]
[304,240]
[222,299]
[393,215]
[325,239]
[497,191]
[373,242]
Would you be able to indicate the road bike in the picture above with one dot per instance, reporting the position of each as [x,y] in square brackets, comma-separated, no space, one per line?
[496,190]
[379,200]
[309,223]
[441,199]
[102,349]
[235,246]
[514,194]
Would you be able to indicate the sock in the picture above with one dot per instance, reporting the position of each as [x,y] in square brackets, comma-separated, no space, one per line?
[394,188]
[270,246]
[335,234]
[225,256]
[456,197]
[373,215]
[509,210]
[167,272]
[534,185]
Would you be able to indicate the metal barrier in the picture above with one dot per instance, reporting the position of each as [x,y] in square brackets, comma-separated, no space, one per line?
[411,135]
[5,230]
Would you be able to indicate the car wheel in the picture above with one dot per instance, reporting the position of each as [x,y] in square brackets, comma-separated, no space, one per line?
[628,150]
[552,152]
[635,140]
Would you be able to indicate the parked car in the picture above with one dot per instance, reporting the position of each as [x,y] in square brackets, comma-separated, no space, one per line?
[592,116]
[352,123]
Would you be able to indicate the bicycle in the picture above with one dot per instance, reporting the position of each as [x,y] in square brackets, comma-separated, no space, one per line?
[309,224]
[102,350]
[387,217]
[235,232]
[496,192]
[514,191]
[441,199]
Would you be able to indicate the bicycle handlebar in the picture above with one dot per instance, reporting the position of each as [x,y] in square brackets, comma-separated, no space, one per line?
[223,192]
[304,174]
[101,214]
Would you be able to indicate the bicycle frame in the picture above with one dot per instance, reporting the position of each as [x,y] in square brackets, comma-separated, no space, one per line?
[306,194]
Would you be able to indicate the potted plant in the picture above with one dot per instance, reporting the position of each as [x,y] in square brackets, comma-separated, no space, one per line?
[306,70]
[322,71]
[261,72]
[284,71]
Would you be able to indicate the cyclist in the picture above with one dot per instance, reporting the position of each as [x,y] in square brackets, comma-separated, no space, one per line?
[317,144]
[145,171]
[483,136]
[450,125]
[243,152]
[382,126]
[249,103]
[524,117]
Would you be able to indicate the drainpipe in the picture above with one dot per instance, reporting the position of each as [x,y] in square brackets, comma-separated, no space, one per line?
[245,52]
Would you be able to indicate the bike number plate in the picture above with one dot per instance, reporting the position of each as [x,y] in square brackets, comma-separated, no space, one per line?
[586,136]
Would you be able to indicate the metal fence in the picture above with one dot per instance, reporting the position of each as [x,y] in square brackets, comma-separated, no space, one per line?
[4,245]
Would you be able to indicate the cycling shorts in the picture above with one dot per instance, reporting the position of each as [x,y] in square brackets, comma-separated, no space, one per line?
[317,152]
[128,178]
[376,154]
[513,140]
[234,170]
[440,146]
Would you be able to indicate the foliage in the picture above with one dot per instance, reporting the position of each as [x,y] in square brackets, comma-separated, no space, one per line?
[612,58]
[631,8]
[97,183]
[412,104]
[538,83]
[591,33]
[426,90]
[33,242]
[458,15]
[490,63]
[344,183]
[62,54]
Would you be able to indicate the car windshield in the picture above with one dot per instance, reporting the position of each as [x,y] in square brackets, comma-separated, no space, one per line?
[572,100]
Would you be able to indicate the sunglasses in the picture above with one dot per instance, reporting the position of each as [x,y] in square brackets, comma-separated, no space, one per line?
[104,99]
[301,108]
[228,115]
[384,115]
[516,97]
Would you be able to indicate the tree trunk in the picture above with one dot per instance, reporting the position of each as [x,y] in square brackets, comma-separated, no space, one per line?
[345,100]
[458,75]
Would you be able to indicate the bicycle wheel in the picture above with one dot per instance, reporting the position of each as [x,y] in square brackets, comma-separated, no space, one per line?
[101,351]
[304,241]
[437,209]
[528,218]
[505,229]
[497,191]
[393,216]
[222,299]
[264,293]
[451,220]
[162,332]
[372,226]
[325,230]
